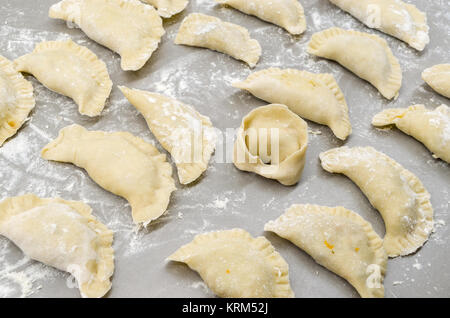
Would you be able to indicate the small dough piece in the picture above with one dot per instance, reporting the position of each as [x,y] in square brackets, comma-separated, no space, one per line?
[16,99]
[338,239]
[168,8]
[212,33]
[272,142]
[432,128]
[62,234]
[120,163]
[235,265]
[366,55]
[71,70]
[186,134]
[438,77]
[394,17]
[127,27]
[288,14]
[395,192]
[316,97]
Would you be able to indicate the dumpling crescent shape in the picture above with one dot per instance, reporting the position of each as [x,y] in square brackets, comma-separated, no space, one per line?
[438,77]
[338,239]
[127,27]
[185,133]
[430,127]
[395,192]
[71,70]
[394,17]
[235,265]
[16,99]
[316,97]
[168,8]
[120,163]
[62,234]
[288,14]
[272,142]
[212,33]
[366,55]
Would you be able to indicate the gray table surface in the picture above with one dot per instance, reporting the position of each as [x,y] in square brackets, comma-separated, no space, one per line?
[225,197]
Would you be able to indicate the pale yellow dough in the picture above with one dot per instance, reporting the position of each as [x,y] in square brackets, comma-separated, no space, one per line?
[168,8]
[338,239]
[395,192]
[438,77]
[235,265]
[16,99]
[272,142]
[128,27]
[316,97]
[185,133]
[212,33]
[62,234]
[120,163]
[71,70]
[430,127]
[366,55]
[287,14]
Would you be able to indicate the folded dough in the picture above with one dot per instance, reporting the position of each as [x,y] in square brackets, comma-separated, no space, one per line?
[438,77]
[288,14]
[168,8]
[71,70]
[432,128]
[212,33]
[64,235]
[366,55]
[16,99]
[120,163]
[395,192]
[272,142]
[235,265]
[316,97]
[127,27]
[338,239]
[394,17]
[185,133]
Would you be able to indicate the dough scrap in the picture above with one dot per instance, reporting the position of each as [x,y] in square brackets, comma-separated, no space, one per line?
[185,133]
[316,97]
[71,70]
[62,234]
[438,77]
[212,33]
[127,27]
[366,55]
[272,142]
[16,99]
[168,8]
[395,192]
[430,127]
[338,239]
[235,265]
[120,163]
[394,17]
[288,14]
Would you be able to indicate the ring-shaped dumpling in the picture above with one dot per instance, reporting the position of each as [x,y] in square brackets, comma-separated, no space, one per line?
[272,142]
[16,99]
[338,239]
[128,27]
[168,8]
[64,235]
[438,77]
[395,192]
[430,127]
[316,97]
[71,70]
[366,55]
[288,14]
[235,265]
[120,163]
[212,33]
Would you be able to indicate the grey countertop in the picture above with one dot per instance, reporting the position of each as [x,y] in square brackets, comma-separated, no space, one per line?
[225,197]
